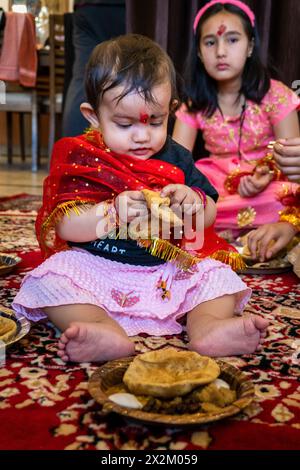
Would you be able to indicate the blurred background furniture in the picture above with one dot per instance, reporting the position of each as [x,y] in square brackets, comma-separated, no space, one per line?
[22,101]
[46,97]
[18,72]
[50,81]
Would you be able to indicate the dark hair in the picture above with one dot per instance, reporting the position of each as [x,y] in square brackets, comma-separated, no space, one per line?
[202,90]
[131,60]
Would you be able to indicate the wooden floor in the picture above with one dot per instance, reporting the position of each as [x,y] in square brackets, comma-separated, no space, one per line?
[18,178]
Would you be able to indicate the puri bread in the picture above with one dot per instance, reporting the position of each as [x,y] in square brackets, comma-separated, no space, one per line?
[153,197]
[169,373]
[8,329]
[160,208]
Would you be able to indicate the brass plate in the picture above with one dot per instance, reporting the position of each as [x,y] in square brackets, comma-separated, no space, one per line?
[23,325]
[8,262]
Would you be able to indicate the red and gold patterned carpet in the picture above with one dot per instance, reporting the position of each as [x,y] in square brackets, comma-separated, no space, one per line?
[44,403]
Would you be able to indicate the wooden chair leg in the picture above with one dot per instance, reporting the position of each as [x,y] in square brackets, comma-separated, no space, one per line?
[39,140]
[22,136]
[9,134]
[51,133]
[34,133]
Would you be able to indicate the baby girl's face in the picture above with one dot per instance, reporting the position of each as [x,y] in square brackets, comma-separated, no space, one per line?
[133,126]
[224,46]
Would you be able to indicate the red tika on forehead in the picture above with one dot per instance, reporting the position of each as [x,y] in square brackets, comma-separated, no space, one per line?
[144,118]
[221,30]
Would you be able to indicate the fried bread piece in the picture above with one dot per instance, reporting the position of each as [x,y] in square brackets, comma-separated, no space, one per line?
[8,329]
[160,208]
[169,373]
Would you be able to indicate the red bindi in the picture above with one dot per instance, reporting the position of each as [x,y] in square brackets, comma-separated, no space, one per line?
[221,30]
[144,118]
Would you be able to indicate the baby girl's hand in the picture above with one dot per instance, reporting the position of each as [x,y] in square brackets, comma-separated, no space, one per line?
[254,184]
[182,197]
[131,204]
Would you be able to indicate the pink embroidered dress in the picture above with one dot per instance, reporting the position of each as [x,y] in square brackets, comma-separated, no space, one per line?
[222,134]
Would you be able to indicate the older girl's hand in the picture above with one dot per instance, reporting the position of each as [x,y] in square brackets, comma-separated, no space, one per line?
[254,184]
[287,157]
[267,240]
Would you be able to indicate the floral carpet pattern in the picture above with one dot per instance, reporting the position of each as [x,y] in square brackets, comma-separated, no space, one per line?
[44,403]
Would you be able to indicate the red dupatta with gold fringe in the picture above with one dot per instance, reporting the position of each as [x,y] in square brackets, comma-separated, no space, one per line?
[83,171]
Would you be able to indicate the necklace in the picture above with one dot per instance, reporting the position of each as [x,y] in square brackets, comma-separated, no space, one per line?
[242,119]
[241,124]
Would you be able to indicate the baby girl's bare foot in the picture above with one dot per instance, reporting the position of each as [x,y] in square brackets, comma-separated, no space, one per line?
[230,337]
[93,342]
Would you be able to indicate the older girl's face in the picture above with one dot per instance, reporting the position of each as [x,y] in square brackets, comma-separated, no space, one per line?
[224,46]
[133,126]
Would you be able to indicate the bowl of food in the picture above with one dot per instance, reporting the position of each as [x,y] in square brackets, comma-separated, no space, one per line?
[12,329]
[171,387]
[276,265]
[8,262]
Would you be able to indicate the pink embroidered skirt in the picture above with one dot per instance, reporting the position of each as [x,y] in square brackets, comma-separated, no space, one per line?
[129,294]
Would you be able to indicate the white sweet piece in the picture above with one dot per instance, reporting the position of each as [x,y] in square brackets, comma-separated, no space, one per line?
[219,383]
[126,399]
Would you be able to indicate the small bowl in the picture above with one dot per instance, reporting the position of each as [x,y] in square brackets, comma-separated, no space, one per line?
[23,325]
[8,262]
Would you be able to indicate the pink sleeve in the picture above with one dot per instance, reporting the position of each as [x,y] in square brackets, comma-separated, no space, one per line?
[280,101]
[191,119]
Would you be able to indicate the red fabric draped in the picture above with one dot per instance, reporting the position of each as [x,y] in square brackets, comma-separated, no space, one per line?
[84,171]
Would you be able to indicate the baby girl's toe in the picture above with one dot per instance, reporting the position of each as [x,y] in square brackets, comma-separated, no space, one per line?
[63,339]
[63,355]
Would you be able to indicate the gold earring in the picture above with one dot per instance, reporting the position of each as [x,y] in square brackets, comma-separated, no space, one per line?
[174,105]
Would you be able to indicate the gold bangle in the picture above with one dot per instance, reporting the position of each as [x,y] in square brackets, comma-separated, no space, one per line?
[112,213]
[292,216]
[105,209]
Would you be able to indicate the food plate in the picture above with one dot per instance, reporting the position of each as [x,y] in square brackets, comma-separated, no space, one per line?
[274,266]
[111,374]
[23,325]
[8,262]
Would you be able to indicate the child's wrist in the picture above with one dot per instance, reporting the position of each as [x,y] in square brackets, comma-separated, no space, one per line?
[110,213]
[201,194]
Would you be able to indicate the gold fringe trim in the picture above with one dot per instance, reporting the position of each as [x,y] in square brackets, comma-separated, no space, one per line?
[59,212]
[233,259]
[168,252]
[292,216]
[64,209]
